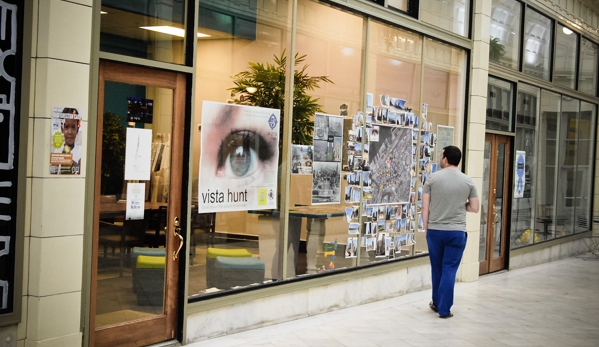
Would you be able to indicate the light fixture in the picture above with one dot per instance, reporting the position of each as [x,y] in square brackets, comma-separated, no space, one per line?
[567,31]
[251,90]
[165,29]
[103,12]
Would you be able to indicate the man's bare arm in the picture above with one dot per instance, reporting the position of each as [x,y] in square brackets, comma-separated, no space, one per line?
[424,211]
[473,205]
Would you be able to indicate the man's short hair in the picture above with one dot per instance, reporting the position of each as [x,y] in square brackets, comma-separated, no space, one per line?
[453,155]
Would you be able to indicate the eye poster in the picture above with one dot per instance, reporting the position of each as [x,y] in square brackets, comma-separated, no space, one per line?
[326,168]
[66,136]
[239,158]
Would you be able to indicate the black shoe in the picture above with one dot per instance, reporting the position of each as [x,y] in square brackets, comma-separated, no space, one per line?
[433,307]
[448,316]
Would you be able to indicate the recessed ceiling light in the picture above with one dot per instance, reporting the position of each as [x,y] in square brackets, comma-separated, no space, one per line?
[165,29]
[567,31]
[103,12]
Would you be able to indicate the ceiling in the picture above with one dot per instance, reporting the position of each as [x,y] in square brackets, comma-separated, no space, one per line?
[592,4]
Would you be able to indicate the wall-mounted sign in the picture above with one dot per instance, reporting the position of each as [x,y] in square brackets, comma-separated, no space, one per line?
[10,86]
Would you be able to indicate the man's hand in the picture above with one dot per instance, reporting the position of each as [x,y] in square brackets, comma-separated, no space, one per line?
[473,205]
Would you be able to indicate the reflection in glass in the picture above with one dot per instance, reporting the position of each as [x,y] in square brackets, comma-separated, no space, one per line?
[587,74]
[584,166]
[444,86]
[451,15]
[485,216]
[525,141]
[569,177]
[545,216]
[538,31]
[566,46]
[504,47]
[499,105]
[131,254]
[155,31]
[498,211]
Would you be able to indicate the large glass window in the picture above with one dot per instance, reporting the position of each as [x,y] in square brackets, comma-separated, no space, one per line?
[584,165]
[504,47]
[499,105]
[258,50]
[587,71]
[527,109]
[451,15]
[566,48]
[569,177]
[538,32]
[546,164]
[154,31]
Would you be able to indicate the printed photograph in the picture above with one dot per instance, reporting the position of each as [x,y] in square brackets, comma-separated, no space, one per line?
[326,183]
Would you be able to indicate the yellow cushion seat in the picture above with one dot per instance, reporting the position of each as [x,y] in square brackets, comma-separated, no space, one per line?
[149,262]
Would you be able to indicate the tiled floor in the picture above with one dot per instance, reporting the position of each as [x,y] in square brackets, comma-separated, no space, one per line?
[553,304]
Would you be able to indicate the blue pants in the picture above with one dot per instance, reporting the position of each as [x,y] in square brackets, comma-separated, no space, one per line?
[445,249]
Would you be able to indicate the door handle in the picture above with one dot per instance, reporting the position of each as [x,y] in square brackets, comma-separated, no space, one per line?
[177,232]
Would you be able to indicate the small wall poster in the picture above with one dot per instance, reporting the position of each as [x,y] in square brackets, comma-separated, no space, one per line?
[138,154]
[66,149]
[519,177]
[444,139]
[136,196]
[239,159]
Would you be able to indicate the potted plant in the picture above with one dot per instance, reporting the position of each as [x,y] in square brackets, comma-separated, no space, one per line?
[263,85]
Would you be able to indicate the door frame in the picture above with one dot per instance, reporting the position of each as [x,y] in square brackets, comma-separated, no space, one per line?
[161,327]
[492,264]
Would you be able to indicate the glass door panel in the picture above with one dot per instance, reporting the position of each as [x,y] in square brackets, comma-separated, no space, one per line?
[137,200]
[484,215]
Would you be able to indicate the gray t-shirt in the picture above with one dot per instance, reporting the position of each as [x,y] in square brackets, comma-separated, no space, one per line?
[449,189]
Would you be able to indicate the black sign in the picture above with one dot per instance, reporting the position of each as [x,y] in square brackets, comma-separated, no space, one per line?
[140,110]
[10,85]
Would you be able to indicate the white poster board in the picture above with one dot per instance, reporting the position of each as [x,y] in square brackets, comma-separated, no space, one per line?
[239,159]
[138,154]
[444,139]
[136,193]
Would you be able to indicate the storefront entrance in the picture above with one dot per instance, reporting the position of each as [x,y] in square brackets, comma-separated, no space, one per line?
[494,204]
[137,206]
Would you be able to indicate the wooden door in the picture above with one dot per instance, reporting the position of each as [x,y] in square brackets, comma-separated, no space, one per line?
[138,182]
[494,204]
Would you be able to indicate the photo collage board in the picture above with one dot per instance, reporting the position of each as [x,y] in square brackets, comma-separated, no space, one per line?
[390,155]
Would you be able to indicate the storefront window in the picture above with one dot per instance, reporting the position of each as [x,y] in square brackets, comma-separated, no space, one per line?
[238,147]
[444,86]
[499,105]
[587,74]
[566,48]
[584,165]
[538,32]
[545,216]
[569,178]
[504,47]
[155,31]
[451,15]
[525,155]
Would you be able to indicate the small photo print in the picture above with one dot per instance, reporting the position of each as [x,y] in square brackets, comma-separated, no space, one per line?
[351,135]
[393,211]
[366,182]
[349,211]
[367,193]
[371,243]
[367,229]
[382,212]
[380,226]
[385,100]
[397,244]
[354,228]
[415,122]
[382,249]
[348,192]
[351,247]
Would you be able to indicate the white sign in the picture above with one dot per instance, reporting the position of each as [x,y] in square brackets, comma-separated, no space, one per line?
[136,197]
[239,159]
[444,139]
[138,154]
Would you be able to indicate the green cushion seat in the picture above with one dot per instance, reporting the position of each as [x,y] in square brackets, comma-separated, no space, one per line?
[148,262]
[231,253]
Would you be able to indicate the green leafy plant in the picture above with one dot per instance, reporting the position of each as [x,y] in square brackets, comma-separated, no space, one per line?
[113,154]
[496,49]
[264,85]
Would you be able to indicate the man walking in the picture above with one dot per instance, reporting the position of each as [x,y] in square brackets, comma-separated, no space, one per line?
[446,197]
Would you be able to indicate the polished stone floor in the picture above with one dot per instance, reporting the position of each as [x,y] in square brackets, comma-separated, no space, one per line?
[553,304]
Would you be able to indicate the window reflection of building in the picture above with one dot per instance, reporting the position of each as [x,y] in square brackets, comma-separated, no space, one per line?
[505,32]
[537,44]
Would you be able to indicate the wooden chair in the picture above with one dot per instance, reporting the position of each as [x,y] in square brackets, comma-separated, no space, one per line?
[124,237]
